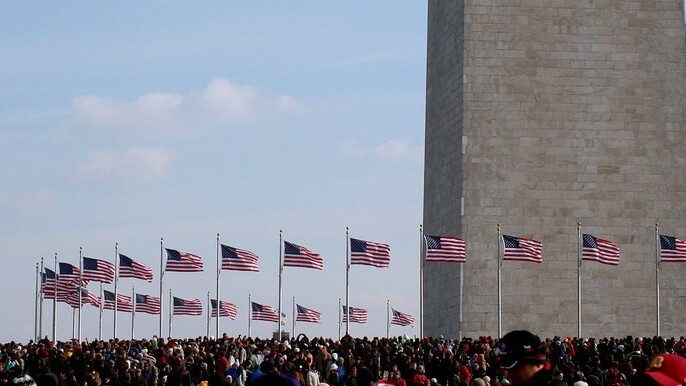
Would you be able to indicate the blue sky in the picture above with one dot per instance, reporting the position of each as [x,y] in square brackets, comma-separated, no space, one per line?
[127,122]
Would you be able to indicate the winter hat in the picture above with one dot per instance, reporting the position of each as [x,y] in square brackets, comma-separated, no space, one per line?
[519,347]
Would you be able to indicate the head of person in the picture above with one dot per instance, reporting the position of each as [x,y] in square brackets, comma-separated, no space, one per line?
[522,355]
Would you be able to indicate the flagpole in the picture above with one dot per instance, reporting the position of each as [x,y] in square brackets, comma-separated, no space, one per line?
[171,307]
[422,260]
[102,302]
[161,276]
[293,328]
[339,318]
[500,294]
[578,270]
[209,313]
[388,318]
[249,316]
[133,310]
[36,299]
[278,329]
[54,304]
[657,278]
[80,290]
[219,303]
[42,297]
[73,322]
[347,278]
[116,279]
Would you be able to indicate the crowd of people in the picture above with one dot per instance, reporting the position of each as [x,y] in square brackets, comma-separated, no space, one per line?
[519,358]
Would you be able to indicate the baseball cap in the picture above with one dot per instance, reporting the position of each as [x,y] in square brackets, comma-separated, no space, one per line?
[519,347]
[668,370]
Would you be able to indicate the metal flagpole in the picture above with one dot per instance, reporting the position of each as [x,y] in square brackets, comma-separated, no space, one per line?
[73,323]
[579,247]
[116,279]
[388,318]
[658,257]
[293,327]
[54,303]
[42,297]
[219,303]
[161,276]
[36,300]
[339,318]
[80,289]
[133,310]
[278,329]
[500,294]
[422,260]
[347,279]
[249,315]
[209,313]
[102,305]
[171,312]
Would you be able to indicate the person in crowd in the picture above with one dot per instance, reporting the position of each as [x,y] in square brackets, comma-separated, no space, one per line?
[525,360]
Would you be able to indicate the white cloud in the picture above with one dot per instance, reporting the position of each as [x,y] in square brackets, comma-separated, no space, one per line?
[286,104]
[393,150]
[140,164]
[229,101]
[175,114]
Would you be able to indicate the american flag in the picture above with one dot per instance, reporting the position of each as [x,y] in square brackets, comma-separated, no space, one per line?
[182,261]
[521,249]
[123,302]
[401,318]
[234,259]
[445,249]
[48,283]
[357,315]
[298,256]
[672,249]
[602,251]
[187,307]
[147,304]
[225,309]
[68,272]
[98,270]
[133,269]
[265,313]
[369,253]
[86,298]
[307,315]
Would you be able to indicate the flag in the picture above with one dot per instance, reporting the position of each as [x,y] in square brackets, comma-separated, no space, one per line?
[187,307]
[401,318]
[182,261]
[307,315]
[357,315]
[234,259]
[147,304]
[672,249]
[225,309]
[521,249]
[68,272]
[123,302]
[98,270]
[48,283]
[265,313]
[133,269]
[445,249]
[602,251]
[369,253]
[86,298]
[297,256]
